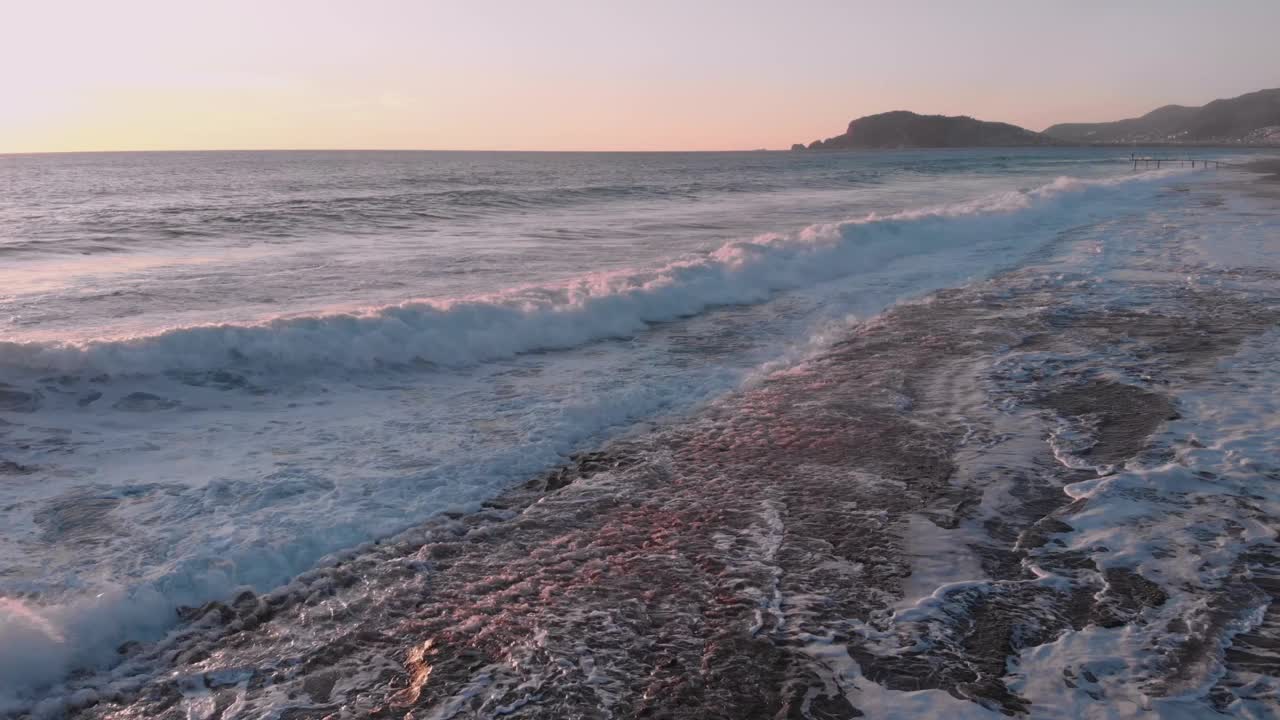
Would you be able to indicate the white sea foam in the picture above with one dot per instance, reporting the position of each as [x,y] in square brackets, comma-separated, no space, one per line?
[1186,523]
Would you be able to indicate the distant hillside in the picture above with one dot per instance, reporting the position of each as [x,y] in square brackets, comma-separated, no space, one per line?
[1252,119]
[902,129]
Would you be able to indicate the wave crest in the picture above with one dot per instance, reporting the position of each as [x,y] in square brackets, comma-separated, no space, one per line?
[597,306]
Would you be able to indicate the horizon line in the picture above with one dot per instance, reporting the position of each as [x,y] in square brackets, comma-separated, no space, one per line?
[358,149]
[824,151]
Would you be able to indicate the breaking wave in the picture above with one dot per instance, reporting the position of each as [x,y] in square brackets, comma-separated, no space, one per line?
[597,306]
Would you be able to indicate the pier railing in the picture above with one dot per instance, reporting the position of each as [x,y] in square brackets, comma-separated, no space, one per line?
[1157,161]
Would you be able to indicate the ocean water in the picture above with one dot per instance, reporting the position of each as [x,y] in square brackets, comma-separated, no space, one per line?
[218,369]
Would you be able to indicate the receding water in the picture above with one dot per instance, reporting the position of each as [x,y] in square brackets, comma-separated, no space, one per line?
[217,368]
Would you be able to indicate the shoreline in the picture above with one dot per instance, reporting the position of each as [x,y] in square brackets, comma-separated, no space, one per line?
[882,528]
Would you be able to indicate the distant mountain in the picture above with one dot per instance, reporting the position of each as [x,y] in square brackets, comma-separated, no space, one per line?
[1252,119]
[903,129]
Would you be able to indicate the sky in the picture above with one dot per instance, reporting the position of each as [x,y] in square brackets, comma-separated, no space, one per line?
[596,74]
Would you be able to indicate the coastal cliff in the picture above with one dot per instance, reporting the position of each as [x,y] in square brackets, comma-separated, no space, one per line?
[904,129]
[1251,119]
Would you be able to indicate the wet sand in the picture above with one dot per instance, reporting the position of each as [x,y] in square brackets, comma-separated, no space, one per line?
[712,569]
[883,530]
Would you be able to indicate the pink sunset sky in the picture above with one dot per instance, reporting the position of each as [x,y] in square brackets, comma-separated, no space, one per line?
[596,75]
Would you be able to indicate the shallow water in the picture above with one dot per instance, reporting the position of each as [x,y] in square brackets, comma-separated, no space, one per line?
[154,461]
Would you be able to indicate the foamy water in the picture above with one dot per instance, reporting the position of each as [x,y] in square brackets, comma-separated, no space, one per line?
[212,384]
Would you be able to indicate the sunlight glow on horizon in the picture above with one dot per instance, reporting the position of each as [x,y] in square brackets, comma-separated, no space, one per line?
[580,75]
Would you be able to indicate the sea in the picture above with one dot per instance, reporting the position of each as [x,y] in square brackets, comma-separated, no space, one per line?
[222,373]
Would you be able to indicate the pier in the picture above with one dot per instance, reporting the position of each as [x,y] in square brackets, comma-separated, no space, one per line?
[1182,161]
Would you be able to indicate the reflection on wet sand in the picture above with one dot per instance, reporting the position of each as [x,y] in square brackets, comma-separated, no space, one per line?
[766,557]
